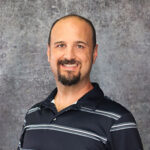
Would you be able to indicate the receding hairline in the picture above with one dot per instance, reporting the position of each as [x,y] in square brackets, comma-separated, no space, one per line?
[71,16]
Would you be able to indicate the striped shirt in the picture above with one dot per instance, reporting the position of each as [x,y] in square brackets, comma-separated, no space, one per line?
[93,123]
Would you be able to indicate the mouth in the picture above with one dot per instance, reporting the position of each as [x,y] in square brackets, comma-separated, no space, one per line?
[69,67]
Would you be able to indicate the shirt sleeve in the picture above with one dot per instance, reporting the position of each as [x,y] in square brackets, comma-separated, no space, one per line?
[124,134]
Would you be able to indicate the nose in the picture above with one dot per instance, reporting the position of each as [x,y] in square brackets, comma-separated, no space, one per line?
[69,53]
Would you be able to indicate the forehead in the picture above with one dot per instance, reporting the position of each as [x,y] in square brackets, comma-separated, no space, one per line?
[72,25]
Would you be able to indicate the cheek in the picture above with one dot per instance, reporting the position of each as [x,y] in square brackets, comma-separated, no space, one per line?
[87,59]
[55,56]
[86,62]
[53,64]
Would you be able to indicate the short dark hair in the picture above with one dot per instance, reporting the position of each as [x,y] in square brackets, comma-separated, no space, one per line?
[75,15]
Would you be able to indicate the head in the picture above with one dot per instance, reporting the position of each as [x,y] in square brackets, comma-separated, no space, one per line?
[72,49]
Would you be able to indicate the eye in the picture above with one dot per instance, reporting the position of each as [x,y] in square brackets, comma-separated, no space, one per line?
[80,46]
[60,45]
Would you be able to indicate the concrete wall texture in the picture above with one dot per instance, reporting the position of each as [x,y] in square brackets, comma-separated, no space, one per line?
[122,68]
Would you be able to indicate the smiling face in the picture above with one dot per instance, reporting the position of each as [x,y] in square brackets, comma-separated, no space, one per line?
[70,52]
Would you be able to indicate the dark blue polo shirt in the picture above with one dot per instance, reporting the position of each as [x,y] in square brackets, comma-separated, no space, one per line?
[93,123]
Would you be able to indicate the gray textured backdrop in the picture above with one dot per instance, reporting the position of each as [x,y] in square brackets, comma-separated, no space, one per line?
[122,67]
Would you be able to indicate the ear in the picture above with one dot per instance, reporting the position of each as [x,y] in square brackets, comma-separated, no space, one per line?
[48,53]
[95,53]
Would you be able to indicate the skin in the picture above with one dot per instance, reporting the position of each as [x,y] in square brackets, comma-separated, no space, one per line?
[71,38]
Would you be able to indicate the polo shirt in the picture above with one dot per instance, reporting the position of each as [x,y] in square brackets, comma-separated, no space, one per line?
[94,122]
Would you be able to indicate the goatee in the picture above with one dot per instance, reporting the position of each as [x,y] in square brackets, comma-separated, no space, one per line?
[70,78]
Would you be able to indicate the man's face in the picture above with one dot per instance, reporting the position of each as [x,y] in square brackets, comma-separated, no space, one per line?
[71,53]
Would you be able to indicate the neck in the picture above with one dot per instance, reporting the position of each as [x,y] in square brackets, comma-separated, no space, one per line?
[67,95]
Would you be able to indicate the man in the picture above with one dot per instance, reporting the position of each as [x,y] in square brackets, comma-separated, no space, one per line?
[77,115]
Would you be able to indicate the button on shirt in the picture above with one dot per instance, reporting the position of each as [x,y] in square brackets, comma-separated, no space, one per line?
[93,123]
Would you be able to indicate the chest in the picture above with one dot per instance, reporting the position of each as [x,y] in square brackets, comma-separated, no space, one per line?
[68,130]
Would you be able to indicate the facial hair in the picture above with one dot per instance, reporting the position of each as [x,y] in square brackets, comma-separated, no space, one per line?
[70,79]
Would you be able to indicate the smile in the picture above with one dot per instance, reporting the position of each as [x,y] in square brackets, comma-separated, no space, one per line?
[69,67]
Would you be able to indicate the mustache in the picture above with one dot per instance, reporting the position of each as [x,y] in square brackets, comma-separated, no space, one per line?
[66,61]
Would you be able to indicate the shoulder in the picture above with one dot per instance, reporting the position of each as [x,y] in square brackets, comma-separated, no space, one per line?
[44,102]
[37,106]
[120,117]
[115,109]
[29,113]
[33,113]
[111,105]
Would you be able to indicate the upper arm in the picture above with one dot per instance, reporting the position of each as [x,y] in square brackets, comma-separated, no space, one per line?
[124,134]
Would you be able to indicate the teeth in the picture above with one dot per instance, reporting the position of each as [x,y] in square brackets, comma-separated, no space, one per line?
[70,65]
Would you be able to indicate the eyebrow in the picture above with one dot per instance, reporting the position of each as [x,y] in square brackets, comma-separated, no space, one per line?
[85,43]
[58,42]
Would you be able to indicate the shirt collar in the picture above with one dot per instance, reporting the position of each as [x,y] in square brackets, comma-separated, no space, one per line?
[91,99]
